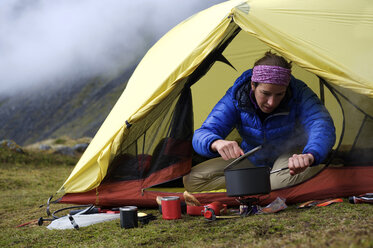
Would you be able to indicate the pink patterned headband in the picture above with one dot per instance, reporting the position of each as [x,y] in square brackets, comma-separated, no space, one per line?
[271,74]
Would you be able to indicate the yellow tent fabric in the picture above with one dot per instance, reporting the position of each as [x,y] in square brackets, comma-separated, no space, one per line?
[331,39]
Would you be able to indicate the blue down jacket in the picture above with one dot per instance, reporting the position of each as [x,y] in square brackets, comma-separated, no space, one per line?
[300,120]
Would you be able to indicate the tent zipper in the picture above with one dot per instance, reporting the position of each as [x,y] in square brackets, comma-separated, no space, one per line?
[143,189]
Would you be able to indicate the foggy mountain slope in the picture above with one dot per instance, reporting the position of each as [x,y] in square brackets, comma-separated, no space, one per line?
[47,47]
[76,111]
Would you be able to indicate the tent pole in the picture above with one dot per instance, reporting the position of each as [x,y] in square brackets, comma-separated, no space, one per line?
[331,89]
[322,92]
[348,100]
[359,132]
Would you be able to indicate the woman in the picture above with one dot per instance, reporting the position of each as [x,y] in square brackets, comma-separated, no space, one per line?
[268,107]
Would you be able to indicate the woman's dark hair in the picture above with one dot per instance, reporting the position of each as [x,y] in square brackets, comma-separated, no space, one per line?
[270,58]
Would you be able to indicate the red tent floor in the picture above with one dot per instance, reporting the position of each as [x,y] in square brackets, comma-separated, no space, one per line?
[332,182]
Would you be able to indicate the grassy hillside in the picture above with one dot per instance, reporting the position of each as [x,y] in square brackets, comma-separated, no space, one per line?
[27,180]
[76,109]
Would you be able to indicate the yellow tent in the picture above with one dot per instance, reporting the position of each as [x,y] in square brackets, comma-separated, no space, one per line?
[329,42]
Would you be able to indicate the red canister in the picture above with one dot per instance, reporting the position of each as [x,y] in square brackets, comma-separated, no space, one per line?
[171,208]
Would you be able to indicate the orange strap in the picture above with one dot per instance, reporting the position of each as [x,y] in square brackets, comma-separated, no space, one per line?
[328,202]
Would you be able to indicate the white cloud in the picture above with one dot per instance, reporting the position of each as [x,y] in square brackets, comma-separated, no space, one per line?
[43,41]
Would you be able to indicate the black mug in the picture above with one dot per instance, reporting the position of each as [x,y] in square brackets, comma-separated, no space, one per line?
[128,217]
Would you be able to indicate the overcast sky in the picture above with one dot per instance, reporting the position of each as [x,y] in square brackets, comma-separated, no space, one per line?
[50,41]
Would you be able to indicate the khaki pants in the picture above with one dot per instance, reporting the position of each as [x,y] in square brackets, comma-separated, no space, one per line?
[209,175]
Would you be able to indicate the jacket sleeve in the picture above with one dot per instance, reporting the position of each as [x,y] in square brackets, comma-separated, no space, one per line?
[318,125]
[218,125]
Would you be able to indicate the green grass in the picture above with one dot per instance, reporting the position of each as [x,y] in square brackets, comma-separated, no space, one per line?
[60,141]
[27,180]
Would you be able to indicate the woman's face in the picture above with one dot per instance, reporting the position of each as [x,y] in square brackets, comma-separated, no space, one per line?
[268,96]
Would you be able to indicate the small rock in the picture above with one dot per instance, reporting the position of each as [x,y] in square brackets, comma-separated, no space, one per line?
[44,147]
[80,147]
[65,150]
[11,145]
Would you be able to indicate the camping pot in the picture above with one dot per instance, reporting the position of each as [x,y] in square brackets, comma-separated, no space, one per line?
[243,181]
[248,181]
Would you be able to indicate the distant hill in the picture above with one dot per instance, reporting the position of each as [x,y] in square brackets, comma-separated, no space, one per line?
[75,109]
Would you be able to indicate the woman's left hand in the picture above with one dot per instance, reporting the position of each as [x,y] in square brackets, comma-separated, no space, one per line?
[299,162]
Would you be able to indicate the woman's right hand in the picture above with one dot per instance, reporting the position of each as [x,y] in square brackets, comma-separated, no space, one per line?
[227,149]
